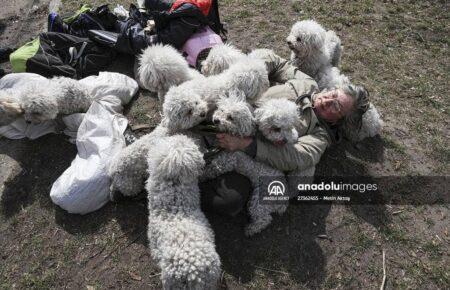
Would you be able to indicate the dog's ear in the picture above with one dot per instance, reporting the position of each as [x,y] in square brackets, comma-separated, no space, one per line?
[11,108]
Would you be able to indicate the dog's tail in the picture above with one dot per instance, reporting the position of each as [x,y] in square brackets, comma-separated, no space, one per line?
[334,47]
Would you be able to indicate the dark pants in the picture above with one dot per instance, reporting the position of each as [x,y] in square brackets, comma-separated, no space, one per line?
[227,194]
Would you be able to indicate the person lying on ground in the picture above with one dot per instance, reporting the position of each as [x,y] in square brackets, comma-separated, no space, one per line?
[324,116]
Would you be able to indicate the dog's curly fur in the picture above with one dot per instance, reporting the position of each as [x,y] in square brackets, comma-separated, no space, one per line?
[161,67]
[36,104]
[316,52]
[332,78]
[180,237]
[242,124]
[10,106]
[220,58]
[371,123]
[234,115]
[312,47]
[247,75]
[260,214]
[182,110]
[276,120]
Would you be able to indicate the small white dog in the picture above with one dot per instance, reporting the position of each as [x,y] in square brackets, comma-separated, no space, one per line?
[312,47]
[182,110]
[36,104]
[276,120]
[233,116]
[316,52]
[219,58]
[180,237]
[161,67]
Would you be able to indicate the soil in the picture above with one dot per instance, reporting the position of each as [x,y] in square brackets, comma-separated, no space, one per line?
[397,49]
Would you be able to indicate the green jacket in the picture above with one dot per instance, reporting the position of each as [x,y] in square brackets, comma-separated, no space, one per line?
[314,139]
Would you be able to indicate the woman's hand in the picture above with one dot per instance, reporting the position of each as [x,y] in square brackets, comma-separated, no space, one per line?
[233,143]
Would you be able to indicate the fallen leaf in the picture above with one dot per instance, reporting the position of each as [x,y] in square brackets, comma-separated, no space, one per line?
[135,276]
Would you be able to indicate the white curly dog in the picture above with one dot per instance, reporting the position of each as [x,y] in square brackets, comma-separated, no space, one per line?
[277,120]
[219,58]
[38,103]
[161,67]
[316,52]
[180,237]
[182,110]
[233,116]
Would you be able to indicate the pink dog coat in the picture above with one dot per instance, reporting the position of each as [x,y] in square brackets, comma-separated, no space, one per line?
[205,38]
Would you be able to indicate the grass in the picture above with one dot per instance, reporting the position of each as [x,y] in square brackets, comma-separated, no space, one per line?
[395,145]
[398,50]
[361,241]
[433,249]
[396,235]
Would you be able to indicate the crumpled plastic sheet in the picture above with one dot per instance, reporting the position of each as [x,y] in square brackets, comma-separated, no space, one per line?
[84,186]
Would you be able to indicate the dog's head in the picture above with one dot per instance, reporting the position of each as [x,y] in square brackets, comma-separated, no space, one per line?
[219,58]
[161,67]
[234,115]
[10,107]
[250,76]
[183,109]
[306,37]
[276,120]
[176,158]
[39,107]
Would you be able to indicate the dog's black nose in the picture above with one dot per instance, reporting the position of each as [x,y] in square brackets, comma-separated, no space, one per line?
[216,121]
[289,43]
[28,122]
[203,115]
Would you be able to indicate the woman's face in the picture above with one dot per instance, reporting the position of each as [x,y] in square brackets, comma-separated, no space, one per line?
[331,106]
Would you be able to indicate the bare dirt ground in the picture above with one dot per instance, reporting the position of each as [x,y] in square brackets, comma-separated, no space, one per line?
[398,49]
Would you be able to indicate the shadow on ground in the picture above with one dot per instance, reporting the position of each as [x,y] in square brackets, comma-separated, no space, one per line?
[40,167]
[289,246]
[346,159]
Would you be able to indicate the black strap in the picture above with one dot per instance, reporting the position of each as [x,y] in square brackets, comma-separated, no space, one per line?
[300,98]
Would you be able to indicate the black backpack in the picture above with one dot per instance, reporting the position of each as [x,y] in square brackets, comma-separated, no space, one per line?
[59,54]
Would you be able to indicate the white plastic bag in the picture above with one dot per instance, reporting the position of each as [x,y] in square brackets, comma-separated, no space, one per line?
[111,84]
[84,186]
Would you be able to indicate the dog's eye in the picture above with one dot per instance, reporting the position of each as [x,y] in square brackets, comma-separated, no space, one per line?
[299,39]
[229,118]
[276,129]
[189,112]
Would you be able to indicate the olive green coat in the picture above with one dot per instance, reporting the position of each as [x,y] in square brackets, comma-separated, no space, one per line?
[313,138]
